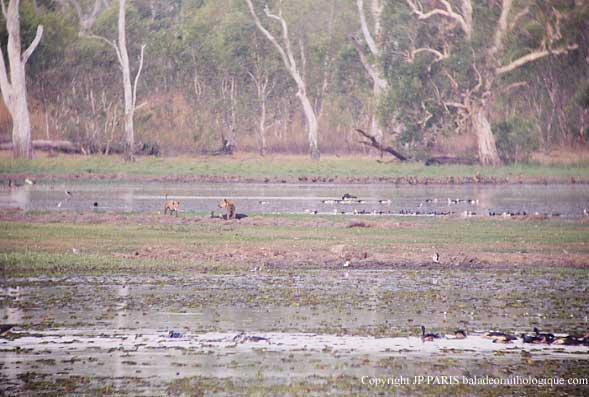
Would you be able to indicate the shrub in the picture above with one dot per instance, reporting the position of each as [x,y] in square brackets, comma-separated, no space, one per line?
[516,140]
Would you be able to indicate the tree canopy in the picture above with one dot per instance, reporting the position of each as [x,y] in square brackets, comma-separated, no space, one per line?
[522,66]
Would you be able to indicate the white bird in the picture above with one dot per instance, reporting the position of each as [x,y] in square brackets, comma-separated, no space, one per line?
[59,205]
[436,258]
[346,264]
[28,181]
[585,213]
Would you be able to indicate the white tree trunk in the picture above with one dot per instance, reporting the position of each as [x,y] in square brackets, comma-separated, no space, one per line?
[485,139]
[312,124]
[21,127]
[14,90]
[262,128]
[379,83]
[127,87]
[288,59]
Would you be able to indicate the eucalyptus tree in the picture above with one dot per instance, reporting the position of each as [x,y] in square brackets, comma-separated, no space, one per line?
[120,47]
[13,80]
[370,52]
[456,53]
[295,68]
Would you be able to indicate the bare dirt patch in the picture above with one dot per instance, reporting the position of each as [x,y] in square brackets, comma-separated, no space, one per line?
[335,244]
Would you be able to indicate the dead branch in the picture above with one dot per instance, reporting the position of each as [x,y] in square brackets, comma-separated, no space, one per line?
[533,56]
[464,19]
[365,31]
[374,143]
[48,145]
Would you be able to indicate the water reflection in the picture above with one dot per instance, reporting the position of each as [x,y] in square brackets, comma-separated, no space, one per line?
[561,200]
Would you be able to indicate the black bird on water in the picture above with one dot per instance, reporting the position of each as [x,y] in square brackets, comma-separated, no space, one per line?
[428,337]
[568,340]
[460,334]
[5,328]
[544,337]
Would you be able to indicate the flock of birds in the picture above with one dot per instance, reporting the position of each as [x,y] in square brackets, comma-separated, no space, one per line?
[501,337]
[540,338]
[351,199]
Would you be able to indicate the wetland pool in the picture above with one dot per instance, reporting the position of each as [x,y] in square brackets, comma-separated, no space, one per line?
[323,331]
[562,200]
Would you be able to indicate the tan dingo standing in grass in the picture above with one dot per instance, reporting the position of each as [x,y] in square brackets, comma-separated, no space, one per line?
[171,205]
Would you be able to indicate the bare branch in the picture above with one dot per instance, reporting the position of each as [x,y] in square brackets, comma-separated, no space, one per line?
[268,35]
[439,55]
[517,17]
[515,85]
[5,85]
[467,15]
[137,76]
[452,80]
[533,56]
[285,38]
[377,8]
[142,104]
[86,21]
[34,44]
[456,105]
[253,77]
[365,31]
[501,28]
[479,76]
[427,117]
[449,12]
[370,68]
[107,41]
[374,143]
[303,58]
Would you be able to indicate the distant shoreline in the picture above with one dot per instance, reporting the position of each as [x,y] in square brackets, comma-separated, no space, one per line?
[393,180]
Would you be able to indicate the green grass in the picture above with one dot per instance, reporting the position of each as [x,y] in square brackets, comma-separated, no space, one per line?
[31,246]
[280,166]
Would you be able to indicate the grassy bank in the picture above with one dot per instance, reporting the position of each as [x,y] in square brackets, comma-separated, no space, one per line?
[137,242]
[273,166]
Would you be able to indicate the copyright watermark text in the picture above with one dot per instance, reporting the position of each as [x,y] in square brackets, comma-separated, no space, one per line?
[393,381]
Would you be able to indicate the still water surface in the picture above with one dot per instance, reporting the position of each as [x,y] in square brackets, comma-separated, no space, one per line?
[561,200]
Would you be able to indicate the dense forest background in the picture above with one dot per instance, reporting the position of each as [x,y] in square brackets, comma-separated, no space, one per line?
[210,74]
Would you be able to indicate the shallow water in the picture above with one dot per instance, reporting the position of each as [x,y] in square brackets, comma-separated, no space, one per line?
[350,324]
[562,200]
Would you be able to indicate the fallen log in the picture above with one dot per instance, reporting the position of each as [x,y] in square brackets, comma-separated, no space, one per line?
[442,160]
[47,145]
[374,143]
